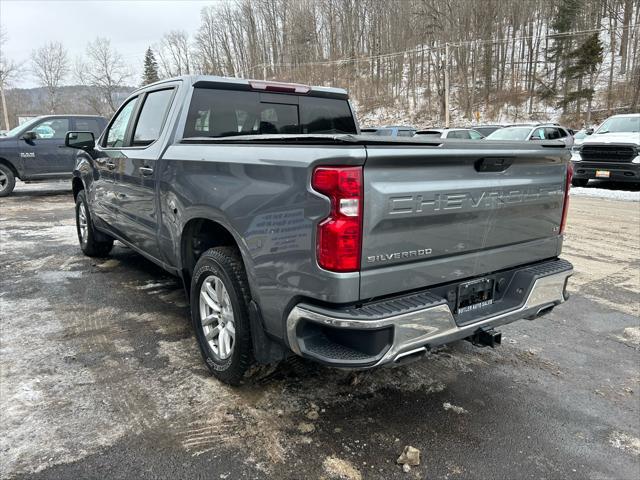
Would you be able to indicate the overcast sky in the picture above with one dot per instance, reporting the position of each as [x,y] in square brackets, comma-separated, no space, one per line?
[131,25]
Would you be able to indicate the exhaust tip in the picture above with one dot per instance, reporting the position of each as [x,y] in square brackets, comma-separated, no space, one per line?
[410,356]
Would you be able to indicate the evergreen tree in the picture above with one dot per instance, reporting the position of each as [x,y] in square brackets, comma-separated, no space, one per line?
[558,53]
[150,68]
[585,61]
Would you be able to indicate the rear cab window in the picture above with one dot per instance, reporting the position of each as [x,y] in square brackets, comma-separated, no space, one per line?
[222,113]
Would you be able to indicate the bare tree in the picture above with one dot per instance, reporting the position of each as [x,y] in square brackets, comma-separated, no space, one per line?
[174,54]
[9,70]
[50,65]
[104,70]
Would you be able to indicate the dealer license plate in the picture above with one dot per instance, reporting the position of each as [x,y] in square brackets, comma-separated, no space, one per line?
[475,294]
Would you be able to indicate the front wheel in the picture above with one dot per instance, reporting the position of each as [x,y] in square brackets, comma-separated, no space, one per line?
[87,235]
[579,182]
[7,181]
[220,314]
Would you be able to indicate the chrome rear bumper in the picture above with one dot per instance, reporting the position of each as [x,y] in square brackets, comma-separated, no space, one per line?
[412,332]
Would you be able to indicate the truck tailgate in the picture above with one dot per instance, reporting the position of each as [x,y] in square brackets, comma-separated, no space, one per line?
[437,214]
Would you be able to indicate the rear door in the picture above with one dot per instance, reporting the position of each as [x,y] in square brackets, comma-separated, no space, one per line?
[438,214]
[107,160]
[138,215]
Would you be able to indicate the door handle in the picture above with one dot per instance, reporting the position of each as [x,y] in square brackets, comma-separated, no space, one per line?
[111,166]
[146,171]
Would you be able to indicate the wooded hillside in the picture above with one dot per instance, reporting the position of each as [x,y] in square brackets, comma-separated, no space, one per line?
[575,61]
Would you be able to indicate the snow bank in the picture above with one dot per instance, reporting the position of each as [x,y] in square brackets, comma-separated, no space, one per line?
[606,193]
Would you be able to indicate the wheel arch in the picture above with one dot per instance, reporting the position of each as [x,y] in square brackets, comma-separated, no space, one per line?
[200,234]
[77,185]
[10,166]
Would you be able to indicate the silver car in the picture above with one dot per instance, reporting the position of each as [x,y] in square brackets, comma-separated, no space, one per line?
[535,132]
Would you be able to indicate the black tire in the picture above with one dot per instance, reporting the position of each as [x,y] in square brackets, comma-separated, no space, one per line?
[226,264]
[579,182]
[89,243]
[7,181]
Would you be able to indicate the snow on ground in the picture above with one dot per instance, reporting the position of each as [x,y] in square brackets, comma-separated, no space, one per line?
[630,196]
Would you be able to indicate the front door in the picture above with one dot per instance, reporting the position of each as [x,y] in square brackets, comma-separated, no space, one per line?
[138,216]
[47,155]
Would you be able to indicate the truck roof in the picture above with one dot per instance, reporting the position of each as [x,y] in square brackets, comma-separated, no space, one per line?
[259,85]
[67,115]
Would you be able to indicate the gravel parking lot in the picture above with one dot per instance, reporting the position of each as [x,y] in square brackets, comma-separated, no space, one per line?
[102,378]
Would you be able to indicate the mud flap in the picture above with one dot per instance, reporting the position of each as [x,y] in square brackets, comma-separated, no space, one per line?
[265,350]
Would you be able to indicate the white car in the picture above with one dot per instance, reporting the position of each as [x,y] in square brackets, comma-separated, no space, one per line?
[612,152]
[459,133]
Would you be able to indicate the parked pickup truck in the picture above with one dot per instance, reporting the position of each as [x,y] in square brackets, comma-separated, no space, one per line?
[293,233]
[612,152]
[36,150]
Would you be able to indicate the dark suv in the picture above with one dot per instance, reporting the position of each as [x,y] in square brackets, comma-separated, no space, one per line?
[36,151]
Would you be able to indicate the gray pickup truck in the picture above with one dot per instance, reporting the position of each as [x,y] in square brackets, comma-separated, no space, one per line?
[292,233]
[36,151]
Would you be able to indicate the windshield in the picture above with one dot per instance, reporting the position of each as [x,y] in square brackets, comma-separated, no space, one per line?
[25,125]
[620,124]
[511,133]
[580,135]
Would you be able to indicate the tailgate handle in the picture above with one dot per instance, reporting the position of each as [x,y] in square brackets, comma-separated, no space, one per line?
[493,164]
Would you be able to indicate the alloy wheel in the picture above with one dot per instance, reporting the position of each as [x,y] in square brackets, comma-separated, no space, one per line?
[82,223]
[216,317]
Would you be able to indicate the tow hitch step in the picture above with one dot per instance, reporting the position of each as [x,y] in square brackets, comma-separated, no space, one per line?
[486,338]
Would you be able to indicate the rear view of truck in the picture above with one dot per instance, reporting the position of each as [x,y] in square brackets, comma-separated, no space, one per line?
[351,250]
[451,240]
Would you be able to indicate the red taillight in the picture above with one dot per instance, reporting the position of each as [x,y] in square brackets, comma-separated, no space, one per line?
[565,207]
[339,235]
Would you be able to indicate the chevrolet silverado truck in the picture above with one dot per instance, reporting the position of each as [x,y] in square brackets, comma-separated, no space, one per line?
[611,152]
[294,234]
[36,151]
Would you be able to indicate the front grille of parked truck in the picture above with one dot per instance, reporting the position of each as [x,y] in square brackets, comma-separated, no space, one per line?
[608,153]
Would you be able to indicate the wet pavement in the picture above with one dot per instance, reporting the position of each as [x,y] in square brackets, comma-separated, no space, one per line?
[101,377]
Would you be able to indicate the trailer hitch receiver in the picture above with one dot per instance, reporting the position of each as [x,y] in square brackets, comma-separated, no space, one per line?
[485,337]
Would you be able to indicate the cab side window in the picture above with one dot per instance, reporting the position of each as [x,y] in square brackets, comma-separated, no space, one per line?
[152,115]
[118,129]
[551,133]
[89,125]
[538,134]
[460,134]
[53,128]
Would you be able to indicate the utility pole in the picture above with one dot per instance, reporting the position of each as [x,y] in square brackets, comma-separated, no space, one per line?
[4,102]
[446,85]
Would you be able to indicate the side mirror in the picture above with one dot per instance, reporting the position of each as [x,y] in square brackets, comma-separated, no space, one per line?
[80,140]
[589,131]
[29,136]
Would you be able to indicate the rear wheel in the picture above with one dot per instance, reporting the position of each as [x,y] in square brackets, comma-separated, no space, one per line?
[87,235]
[220,315]
[579,182]
[7,181]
